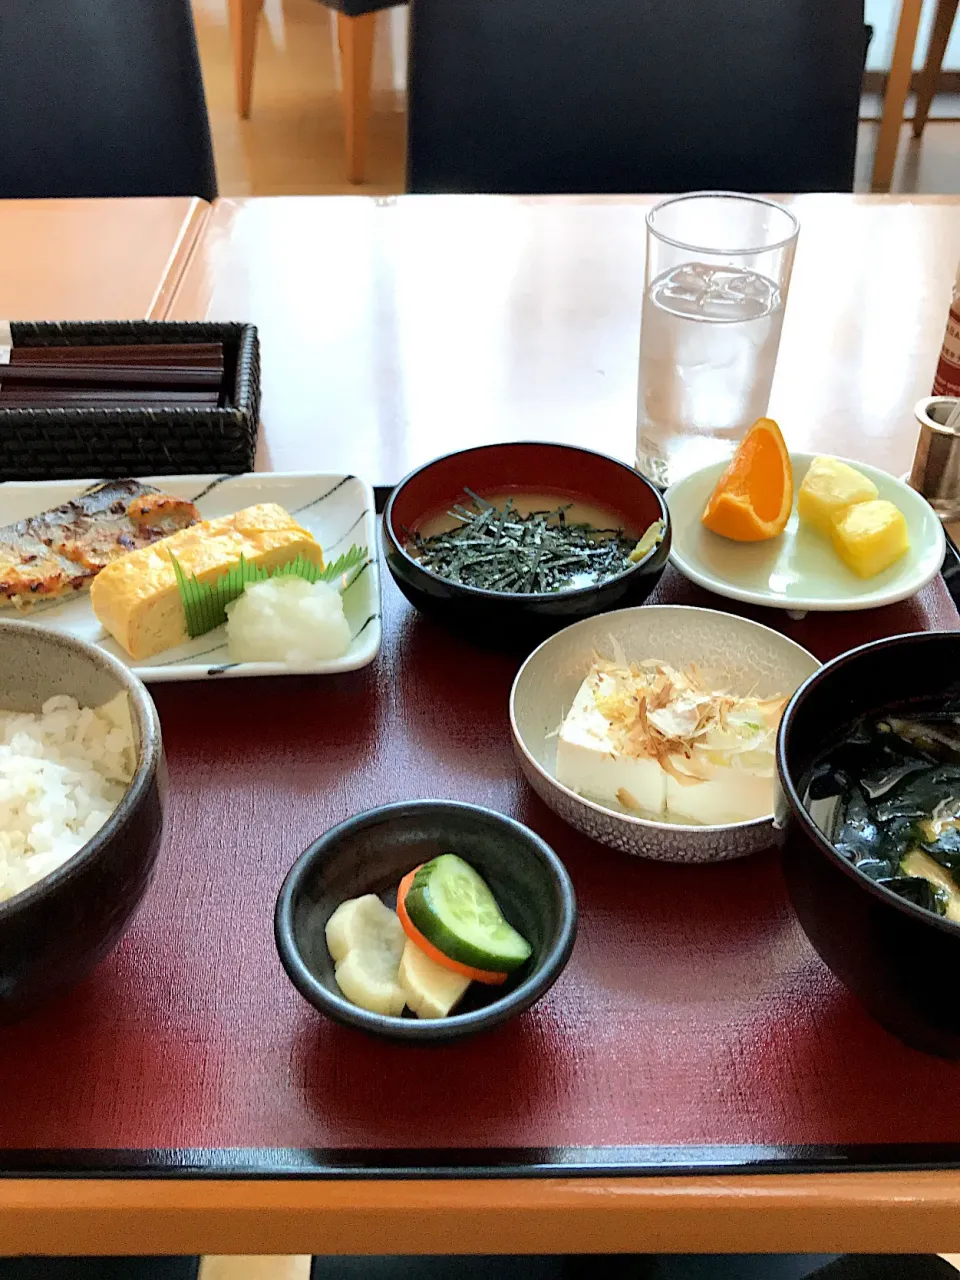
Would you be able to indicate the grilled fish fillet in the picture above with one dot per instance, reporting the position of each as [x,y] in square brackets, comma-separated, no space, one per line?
[31,572]
[59,552]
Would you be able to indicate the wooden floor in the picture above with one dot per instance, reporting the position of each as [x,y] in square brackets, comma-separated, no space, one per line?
[293,142]
[266,1268]
[930,166]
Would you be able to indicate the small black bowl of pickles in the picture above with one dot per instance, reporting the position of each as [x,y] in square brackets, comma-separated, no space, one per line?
[868,758]
[520,538]
[426,921]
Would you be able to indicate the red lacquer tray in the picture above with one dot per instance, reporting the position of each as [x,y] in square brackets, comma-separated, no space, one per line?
[693,1030]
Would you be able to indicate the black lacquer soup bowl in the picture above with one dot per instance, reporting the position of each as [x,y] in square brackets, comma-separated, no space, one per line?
[565,474]
[900,959]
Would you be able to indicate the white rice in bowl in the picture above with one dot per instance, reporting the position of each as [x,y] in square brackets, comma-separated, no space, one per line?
[62,774]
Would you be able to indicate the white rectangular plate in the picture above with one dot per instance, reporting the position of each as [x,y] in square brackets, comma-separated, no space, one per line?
[337,510]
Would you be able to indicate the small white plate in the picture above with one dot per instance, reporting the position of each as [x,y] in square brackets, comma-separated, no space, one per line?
[800,570]
[337,510]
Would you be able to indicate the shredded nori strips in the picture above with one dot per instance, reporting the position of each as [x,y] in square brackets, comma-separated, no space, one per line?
[498,549]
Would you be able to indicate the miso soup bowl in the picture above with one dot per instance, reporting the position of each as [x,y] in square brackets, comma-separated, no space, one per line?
[565,474]
[898,959]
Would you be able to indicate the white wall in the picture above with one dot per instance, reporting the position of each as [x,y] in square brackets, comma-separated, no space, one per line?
[883,16]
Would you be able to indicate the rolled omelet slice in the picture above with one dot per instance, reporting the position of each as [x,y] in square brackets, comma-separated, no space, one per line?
[137,599]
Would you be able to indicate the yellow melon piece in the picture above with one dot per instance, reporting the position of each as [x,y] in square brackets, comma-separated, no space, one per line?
[828,488]
[870,536]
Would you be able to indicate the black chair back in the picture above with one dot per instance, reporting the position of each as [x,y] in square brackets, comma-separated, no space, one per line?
[102,98]
[634,95]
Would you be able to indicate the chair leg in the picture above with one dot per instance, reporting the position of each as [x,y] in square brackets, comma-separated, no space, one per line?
[930,76]
[356,44]
[244,16]
[898,85]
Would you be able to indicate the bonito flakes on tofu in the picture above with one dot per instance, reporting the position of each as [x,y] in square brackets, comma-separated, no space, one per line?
[649,738]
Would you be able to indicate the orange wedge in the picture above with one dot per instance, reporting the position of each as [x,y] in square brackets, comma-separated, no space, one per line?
[754,496]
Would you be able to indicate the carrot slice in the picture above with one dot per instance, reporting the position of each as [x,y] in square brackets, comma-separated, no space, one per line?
[486,976]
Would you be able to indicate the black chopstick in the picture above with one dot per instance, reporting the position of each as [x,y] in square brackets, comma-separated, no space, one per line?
[156,355]
[110,375]
[105,398]
[118,376]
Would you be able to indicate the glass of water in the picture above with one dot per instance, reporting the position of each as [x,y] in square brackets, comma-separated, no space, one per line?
[718,270]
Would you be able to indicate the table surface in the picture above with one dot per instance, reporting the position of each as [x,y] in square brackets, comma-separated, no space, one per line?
[94,259]
[398,329]
[394,330]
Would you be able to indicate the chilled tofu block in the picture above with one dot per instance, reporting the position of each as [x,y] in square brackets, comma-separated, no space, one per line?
[828,488]
[657,741]
[431,990]
[870,537]
[733,795]
[588,762]
[136,598]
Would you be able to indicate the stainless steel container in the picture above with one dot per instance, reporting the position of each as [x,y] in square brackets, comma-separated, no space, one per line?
[936,465]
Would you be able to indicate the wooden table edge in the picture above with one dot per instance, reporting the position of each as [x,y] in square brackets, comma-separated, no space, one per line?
[876,1212]
[191,234]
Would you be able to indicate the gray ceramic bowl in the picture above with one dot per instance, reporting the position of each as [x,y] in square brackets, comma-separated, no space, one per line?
[742,656]
[372,852]
[54,933]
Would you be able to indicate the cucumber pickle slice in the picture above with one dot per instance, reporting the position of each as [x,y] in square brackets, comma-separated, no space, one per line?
[454,909]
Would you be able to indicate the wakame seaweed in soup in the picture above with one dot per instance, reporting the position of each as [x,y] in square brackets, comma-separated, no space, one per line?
[888,798]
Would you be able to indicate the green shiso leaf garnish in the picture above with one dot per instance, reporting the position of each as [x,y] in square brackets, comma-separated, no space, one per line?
[348,565]
[205,604]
